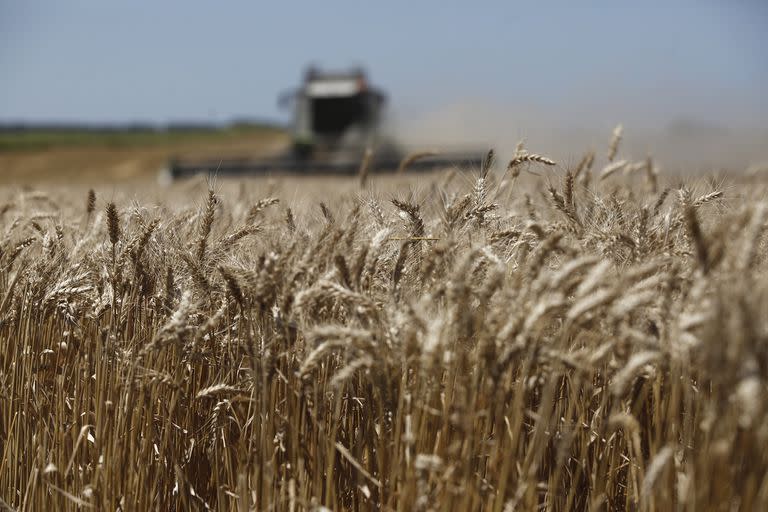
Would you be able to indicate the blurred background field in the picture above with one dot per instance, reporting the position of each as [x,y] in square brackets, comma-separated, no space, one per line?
[121,153]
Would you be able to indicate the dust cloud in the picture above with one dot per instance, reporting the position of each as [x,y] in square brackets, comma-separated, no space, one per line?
[676,142]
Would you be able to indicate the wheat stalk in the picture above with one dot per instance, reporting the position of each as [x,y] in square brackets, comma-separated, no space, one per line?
[412,157]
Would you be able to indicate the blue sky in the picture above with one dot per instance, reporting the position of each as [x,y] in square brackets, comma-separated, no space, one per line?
[640,62]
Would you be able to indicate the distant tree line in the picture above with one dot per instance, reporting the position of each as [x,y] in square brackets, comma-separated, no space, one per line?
[177,126]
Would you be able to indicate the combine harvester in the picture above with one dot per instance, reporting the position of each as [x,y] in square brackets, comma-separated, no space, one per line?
[337,124]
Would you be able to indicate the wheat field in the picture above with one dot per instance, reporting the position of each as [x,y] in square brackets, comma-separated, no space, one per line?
[537,337]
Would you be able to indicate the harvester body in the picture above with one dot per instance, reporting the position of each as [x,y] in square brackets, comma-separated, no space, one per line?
[335,113]
[337,117]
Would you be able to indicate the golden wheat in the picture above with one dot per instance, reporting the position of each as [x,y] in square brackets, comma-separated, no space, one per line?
[427,343]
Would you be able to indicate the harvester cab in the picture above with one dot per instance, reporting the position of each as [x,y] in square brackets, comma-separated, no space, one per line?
[334,113]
